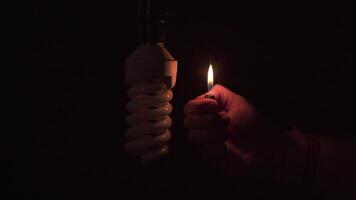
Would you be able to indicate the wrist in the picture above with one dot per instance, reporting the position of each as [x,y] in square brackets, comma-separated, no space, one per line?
[290,157]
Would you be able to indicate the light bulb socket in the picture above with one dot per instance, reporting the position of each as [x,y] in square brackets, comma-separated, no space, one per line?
[153,21]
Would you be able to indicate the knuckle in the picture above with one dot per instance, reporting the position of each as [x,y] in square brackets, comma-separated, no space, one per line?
[189,106]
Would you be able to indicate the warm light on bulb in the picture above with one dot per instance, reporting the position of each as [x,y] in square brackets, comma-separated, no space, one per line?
[210,78]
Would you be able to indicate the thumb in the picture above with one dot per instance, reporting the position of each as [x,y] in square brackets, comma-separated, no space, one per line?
[223,95]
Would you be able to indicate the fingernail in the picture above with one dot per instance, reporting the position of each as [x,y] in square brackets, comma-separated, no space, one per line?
[209,96]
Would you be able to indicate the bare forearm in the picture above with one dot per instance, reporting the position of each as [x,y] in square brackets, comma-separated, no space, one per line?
[335,164]
[336,172]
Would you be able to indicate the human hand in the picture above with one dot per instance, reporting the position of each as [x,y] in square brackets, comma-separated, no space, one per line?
[229,133]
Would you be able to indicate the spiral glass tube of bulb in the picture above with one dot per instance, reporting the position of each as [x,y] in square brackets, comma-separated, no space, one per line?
[148,120]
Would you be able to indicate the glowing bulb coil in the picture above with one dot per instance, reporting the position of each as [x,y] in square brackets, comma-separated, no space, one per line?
[148,120]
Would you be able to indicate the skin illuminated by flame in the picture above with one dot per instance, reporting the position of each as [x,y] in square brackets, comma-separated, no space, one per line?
[210,78]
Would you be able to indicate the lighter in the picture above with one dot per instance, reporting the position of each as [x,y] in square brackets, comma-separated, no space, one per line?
[210,82]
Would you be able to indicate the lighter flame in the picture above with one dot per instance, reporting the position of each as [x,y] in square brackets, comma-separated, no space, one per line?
[210,78]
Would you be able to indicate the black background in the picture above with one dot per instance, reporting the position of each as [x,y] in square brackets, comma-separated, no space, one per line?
[294,62]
